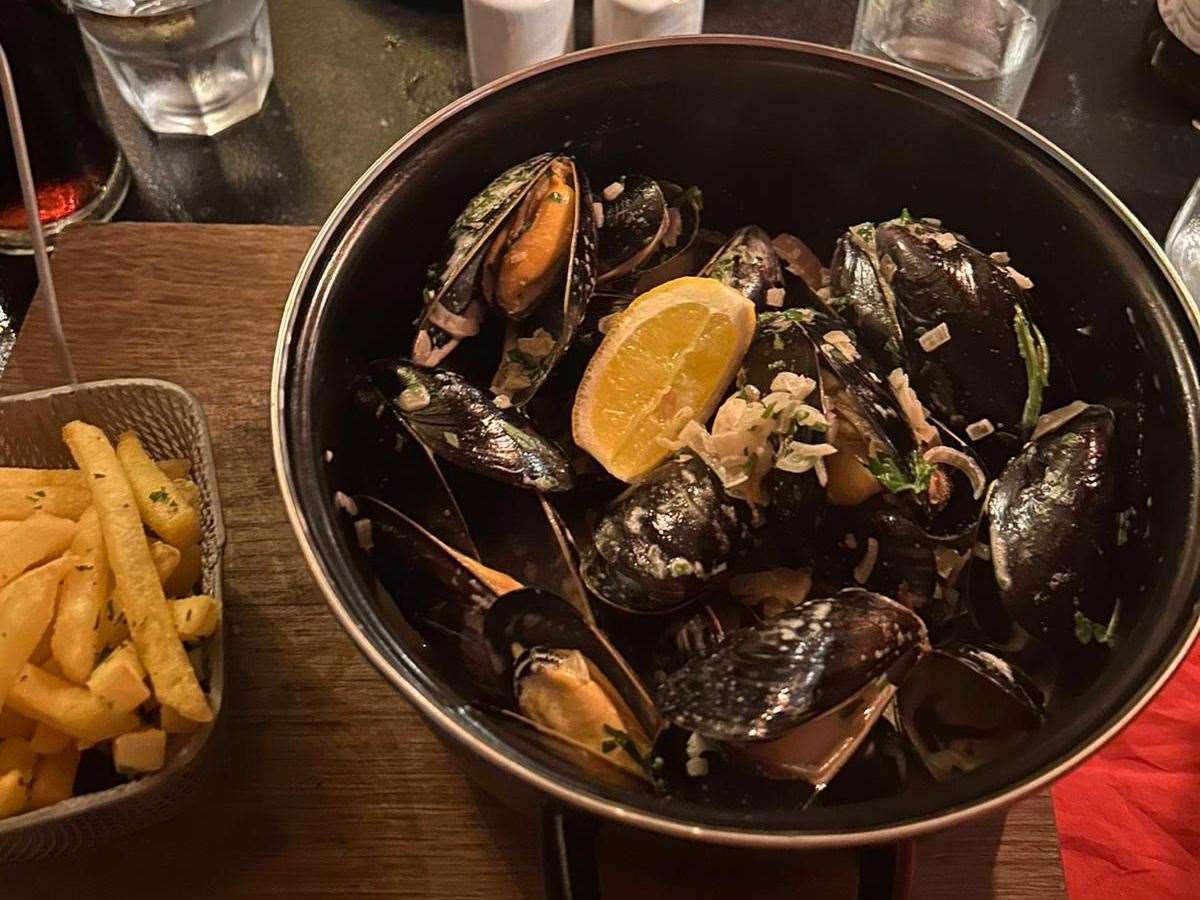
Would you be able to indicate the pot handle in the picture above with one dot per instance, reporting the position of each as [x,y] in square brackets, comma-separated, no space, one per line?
[570,871]
[569,855]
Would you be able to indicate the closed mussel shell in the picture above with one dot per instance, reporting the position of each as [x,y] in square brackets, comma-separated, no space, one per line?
[462,425]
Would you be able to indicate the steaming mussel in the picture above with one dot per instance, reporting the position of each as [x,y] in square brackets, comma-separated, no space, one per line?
[463,425]
[794,696]
[1052,526]
[975,353]
[962,707]
[525,246]
[860,291]
[748,263]
[662,540]
[571,684]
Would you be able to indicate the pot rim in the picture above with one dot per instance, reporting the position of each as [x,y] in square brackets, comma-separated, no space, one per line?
[446,721]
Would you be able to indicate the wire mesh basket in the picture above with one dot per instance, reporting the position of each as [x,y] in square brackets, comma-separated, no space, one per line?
[171,424]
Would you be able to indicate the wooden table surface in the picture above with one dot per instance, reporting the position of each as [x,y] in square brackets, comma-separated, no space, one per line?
[331,786]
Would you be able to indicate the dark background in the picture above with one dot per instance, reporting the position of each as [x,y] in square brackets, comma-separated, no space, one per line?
[352,76]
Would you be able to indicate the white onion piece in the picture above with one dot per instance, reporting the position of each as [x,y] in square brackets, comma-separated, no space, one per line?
[956,459]
[1056,419]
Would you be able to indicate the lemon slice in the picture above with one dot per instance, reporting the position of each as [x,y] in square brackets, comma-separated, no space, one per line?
[667,359]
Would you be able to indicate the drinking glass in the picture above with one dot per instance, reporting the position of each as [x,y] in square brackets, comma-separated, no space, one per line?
[185,66]
[1183,241]
[990,48]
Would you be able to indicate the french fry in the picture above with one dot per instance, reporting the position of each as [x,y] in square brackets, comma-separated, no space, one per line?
[196,617]
[14,795]
[67,502]
[35,478]
[113,627]
[162,506]
[166,559]
[26,608]
[186,576]
[175,468]
[54,777]
[173,723]
[189,490]
[75,639]
[71,709]
[13,725]
[47,741]
[137,584]
[140,751]
[120,680]
[36,539]
[16,753]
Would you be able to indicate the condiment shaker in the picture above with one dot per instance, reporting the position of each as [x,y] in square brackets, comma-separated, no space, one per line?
[626,20]
[506,35]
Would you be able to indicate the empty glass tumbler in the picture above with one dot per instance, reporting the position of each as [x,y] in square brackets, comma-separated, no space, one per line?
[989,48]
[185,66]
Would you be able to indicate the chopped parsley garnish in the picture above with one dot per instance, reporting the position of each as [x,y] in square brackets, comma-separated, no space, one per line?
[694,196]
[895,479]
[556,197]
[777,342]
[776,365]
[159,496]
[1087,631]
[1033,349]
[618,739]
[892,348]
[906,218]
[768,411]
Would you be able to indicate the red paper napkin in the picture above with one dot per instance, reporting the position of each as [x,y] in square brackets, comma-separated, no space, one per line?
[1129,818]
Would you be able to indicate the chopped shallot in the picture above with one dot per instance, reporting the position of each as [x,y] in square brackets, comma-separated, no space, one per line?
[935,337]
[1056,418]
[911,406]
[843,343]
[977,431]
[775,297]
[866,565]
[598,213]
[613,191]
[1022,281]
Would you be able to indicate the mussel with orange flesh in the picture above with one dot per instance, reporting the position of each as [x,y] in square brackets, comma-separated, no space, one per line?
[454,308]
[567,679]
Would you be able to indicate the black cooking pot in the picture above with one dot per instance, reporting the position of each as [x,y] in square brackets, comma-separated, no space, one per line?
[792,137]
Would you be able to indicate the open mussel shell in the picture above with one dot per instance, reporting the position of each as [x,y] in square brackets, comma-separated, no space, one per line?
[962,707]
[634,224]
[461,424]
[748,263]
[661,542]
[453,305]
[879,768]
[442,594]
[980,372]
[683,248]
[545,311]
[862,294]
[767,679]
[531,633]
[1052,528]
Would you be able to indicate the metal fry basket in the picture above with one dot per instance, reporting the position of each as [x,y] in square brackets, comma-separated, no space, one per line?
[171,424]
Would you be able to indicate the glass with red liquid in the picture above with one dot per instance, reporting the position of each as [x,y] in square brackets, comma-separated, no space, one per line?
[77,166]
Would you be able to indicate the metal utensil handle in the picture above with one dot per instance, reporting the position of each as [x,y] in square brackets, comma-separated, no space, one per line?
[32,216]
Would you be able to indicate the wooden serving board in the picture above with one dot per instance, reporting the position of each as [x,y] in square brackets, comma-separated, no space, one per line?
[332,787]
